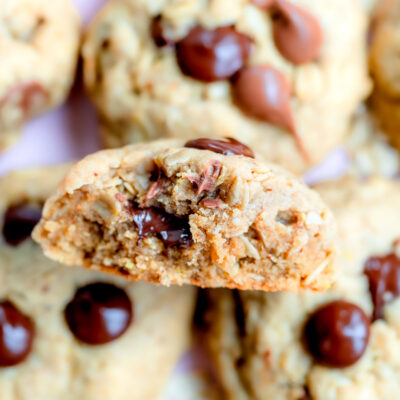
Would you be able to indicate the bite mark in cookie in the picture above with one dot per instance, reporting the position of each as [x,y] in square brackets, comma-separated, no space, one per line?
[215,221]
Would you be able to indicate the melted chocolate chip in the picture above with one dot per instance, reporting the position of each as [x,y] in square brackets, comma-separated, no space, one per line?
[297,34]
[16,335]
[159,182]
[228,146]
[206,182]
[19,221]
[264,93]
[157,33]
[337,334]
[384,280]
[99,313]
[212,55]
[171,229]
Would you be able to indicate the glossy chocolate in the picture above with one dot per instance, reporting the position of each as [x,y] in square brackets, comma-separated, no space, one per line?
[99,313]
[171,229]
[18,223]
[16,335]
[212,55]
[264,93]
[297,33]
[337,334]
[228,146]
[384,280]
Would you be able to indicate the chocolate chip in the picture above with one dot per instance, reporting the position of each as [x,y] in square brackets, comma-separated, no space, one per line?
[212,55]
[228,146]
[297,34]
[171,229]
[206,182]
[99,313]
[264,93]
[158,34]
[159,182]
[337,334]
[384,280]
[19,221]
[30,97]
[16,335]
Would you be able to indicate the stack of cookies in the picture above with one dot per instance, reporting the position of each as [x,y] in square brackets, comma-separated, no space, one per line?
[212,111]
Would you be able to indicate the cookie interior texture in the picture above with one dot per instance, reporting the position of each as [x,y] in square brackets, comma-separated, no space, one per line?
[66,349]
[258,339]
[165,213]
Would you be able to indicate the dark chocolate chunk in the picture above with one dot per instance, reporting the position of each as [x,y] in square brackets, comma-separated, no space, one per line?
[384,280]
[171,229]
[228,146]
[212,55]
[297,34]
[16,335]
[99,313]
[19,221]
[337,334]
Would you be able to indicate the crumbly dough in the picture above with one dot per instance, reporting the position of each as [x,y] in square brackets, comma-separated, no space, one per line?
[269,361]
[135,366]
[264,230]
[39,42]
[141,93]
[385,64]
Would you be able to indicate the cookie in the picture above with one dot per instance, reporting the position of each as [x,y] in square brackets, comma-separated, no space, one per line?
[281,76]
[67,333]
[384,64]
[368,149]
[202,212]
[339,345]
[39,43]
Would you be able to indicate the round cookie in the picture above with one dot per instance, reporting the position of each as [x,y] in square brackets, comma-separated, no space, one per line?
[384,65]
[282,76]
[204,213]
[39,43]
[343,344]
[68,333]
